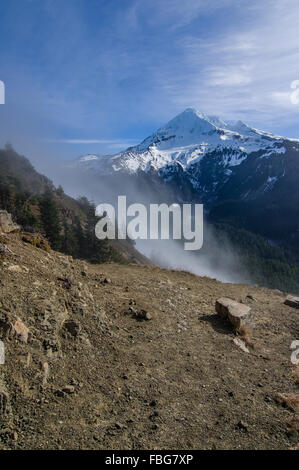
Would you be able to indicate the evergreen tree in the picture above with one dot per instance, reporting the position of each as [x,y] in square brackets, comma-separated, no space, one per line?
[80,237]
[50,219]
[69,241]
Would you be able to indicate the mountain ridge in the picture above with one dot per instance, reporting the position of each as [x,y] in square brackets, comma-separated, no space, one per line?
[250,172]
[191,134]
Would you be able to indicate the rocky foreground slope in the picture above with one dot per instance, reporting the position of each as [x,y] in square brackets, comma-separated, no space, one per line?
[135,357]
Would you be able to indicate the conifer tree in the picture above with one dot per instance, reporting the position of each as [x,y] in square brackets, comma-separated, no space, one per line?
[50,219]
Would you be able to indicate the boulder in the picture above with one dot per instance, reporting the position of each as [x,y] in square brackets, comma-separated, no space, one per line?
[6,223]
[292,301]
[238,314]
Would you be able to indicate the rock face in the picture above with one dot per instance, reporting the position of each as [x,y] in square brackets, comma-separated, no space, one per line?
[292,301]
[238,314]
[6,223]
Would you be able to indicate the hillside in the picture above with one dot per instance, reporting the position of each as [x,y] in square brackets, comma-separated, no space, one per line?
[85,370]
[38,206]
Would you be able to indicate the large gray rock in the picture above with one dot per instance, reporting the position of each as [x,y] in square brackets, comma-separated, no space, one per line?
[238,314]
[6,223]
[292,301]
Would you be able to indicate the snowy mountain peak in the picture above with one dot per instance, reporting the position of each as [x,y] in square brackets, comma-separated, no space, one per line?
[186,140]
[190,121]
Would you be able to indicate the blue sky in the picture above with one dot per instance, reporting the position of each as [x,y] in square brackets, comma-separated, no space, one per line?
[95,76]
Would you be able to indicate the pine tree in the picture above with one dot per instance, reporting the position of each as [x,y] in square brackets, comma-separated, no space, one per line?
[79,234]
[50,219]
[69,241]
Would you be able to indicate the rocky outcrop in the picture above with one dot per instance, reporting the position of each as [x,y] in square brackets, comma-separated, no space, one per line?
[238,314]
[6,223]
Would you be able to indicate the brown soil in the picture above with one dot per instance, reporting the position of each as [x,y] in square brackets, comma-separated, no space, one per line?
[93,375]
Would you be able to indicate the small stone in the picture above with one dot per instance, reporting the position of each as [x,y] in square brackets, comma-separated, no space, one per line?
[292,301]
[69,389]
[242,425]
[153,403]
[133,311]
[15,268]
[21,331]
[241,344]
[250,297]
[143,315]
[119,426]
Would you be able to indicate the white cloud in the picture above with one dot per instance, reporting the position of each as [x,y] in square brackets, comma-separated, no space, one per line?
[246,70]
[228,76]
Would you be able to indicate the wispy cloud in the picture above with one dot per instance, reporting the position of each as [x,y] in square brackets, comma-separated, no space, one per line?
[118,70]
[246,70]
[94,141]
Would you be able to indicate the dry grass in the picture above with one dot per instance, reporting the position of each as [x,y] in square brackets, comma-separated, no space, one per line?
[36,240]
[245,333]
[293,424]
[290,400]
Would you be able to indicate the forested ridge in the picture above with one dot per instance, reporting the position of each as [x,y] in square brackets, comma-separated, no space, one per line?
[38,206]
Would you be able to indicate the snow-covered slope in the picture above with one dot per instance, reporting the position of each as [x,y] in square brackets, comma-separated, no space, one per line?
[186,139]
[209,157]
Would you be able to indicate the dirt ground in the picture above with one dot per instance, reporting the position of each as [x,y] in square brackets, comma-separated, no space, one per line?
[93,373]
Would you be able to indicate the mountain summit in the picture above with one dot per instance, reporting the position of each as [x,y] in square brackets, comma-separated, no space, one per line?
[250,173]
[186,139]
